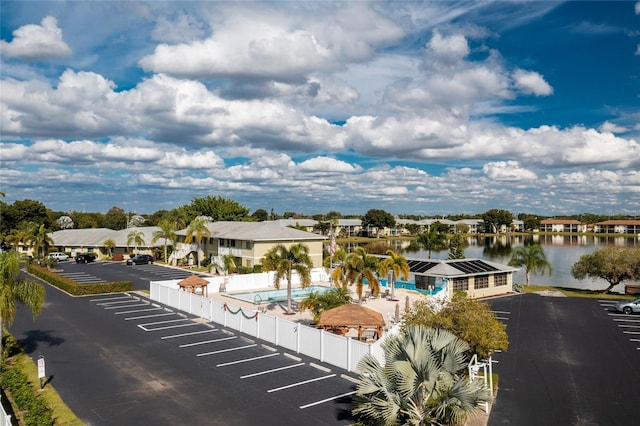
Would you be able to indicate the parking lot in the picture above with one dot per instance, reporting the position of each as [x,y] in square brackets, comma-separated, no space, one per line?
[570,361]
[121,359]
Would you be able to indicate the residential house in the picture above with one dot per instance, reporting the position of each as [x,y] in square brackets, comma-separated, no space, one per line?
[562,225]
[618,227]
[92,240]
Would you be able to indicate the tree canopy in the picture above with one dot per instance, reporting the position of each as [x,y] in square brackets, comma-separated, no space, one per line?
[496,218]
[217,208]
[612,264]
[532,258]
[284,261]
[469,319]
[378,219]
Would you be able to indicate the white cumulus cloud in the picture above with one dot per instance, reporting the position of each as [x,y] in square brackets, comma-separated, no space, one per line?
[37,42]
[507,171]
[531,83]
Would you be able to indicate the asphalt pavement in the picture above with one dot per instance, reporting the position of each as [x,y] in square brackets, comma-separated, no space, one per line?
[570,361]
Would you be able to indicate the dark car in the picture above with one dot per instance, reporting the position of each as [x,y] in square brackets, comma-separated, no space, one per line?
[85,258]
[140,259]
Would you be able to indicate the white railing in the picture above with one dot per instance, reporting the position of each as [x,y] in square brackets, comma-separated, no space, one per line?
[340,351]
[5,419]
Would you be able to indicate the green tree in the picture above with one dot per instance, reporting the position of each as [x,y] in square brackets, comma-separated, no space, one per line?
[284,261]
[378,219]
[496,218]
[166,233]
[115,218]
[360,267]
[217,208]
[469,319]
[14,289]
[178,217]
[398,266]
[137,238]
[532,258]
[335,265]
[456,246]
[17,237]
[612,264]
[197,230]
[529,221]
[422,381]
[40,241]
[260,215]
[21,214]
[431,239]
[318,302]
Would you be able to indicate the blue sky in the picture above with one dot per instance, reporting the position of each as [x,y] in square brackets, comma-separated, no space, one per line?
[423,108]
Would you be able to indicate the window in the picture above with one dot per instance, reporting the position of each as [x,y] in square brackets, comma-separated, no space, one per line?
[481,281]
[461,284]
[499,280]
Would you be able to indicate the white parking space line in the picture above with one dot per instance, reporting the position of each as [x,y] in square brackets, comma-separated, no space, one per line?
[226,350]
[619,315]
[110,298]
[260,373]
[135,311]
[502,312]
[191,324]
[302,407]
[128,300]
[204,342]
[150,316]
[502,318]
[628,326]
[240,361]
[127,306]
[292,385]
[627,319]
[173,336]
[631,332]
[634,340]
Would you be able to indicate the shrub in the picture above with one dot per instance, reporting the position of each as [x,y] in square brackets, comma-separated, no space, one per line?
[75,288]
[22,392]
[119,257]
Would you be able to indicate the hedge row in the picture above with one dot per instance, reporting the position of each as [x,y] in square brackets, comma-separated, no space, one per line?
[75,288]
[34,409]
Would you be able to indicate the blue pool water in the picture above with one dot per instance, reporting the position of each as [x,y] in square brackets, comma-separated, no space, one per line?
[412,286]
[267,296]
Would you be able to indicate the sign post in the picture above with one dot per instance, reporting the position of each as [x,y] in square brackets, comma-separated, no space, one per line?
[41,370]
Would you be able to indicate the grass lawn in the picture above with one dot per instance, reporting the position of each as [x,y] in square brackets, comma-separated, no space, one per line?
[572,292]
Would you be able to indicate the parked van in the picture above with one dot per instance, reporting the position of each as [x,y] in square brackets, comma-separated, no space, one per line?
[59,256]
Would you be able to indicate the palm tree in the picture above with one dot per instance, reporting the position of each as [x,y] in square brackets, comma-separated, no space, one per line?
[137,237]
[360,267]
[197,229]
[283,261]
[16,237]
[318,302]
[422,381]
[109,244]
[431,239]
[532,258]
[40,240]
[398,266]
[13,289]
[335,265]
[165,232]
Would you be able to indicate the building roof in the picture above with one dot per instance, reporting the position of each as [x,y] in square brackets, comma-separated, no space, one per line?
[560,222]
[456,267]
[95,237]
[620,222]
[351,315]
[257,231]
[193,281]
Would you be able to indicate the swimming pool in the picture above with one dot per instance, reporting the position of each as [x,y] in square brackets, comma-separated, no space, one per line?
[267,296]
[412,286]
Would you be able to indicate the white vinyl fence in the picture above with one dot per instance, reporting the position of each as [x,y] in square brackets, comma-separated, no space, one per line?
[340,351]
[5,419]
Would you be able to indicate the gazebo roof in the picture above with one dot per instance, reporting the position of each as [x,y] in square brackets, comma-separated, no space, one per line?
[352,315]
[193,281]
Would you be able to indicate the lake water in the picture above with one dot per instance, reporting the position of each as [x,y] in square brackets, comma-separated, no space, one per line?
[562,252]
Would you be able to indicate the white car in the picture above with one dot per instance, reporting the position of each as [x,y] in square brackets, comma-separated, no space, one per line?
[628,306]
[59,256]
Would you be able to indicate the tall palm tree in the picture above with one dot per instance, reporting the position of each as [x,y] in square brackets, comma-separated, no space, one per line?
[284,261]
[40,240]
[361,267]
[17,237]
[422,381]
[109,244]
[335,265]
[165,232]
[398,266]
[532,258]
[431,239]
[136,237]
[13,288]
[196,231]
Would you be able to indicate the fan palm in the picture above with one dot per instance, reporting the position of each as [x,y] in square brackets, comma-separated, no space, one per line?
[284,261]
[532,258]
[13,289]
[422,381]
[360,267]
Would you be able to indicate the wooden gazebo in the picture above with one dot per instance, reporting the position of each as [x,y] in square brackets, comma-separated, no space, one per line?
[192,282]
[352,315]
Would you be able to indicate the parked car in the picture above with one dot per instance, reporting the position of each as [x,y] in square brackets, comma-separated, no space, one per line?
[85,258]
[59,256]
[628,306]
[140,259]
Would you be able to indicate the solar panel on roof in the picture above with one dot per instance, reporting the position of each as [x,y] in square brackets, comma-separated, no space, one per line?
[420,266]
[473,266]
